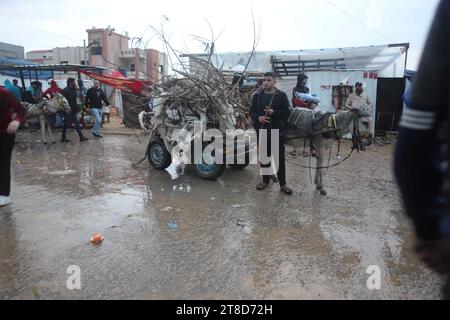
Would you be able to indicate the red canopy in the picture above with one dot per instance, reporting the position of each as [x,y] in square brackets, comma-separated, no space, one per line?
[117,74]
[118,81]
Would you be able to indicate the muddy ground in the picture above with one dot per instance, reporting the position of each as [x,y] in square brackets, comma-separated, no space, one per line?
[195,239]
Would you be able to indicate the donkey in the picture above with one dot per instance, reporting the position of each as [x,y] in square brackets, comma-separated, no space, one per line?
[303,125]
[56,104]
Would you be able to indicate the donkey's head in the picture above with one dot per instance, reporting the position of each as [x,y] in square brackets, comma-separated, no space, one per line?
[362,126]
[62,103]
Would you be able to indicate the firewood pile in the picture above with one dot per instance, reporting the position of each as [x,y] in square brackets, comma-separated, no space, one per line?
[204,97]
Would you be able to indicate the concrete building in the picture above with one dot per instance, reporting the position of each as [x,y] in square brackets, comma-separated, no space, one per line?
[105,47]
[11,51]
[111,50]
[157,66]
[150,64]
[135,63]
[40,56]
[70,55]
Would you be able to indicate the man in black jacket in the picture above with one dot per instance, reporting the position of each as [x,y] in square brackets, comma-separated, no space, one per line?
[70,93]
[270,110]
[94,98]
[422,154]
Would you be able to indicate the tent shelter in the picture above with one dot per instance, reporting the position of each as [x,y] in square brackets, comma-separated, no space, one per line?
[332,74]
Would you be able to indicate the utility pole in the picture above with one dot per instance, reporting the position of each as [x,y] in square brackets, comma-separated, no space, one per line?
[137,63]
[86,63]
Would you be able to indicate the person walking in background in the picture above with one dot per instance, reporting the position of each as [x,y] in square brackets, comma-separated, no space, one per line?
[49,94]
[94,98]
[70,93]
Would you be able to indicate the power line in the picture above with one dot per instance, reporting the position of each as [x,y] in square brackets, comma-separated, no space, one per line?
[357,20]
[34,27]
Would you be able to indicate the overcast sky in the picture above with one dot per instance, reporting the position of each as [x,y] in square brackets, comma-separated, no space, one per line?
[283,24]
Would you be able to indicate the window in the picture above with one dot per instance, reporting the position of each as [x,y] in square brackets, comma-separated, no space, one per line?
[64,62]
[132,67]
[96,51]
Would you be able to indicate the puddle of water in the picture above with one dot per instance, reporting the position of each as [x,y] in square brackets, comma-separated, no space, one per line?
[61,173]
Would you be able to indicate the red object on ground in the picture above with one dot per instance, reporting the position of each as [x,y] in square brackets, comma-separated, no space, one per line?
[97,238]
[129,85]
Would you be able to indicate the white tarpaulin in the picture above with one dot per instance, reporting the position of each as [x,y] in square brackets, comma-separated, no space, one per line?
[388,60]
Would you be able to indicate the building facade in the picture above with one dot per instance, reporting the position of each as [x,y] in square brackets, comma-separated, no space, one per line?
[40,56]
[105,47]
[70,55]
[12,51]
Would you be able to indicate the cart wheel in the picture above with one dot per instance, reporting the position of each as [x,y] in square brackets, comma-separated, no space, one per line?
[209,171]
[158,156]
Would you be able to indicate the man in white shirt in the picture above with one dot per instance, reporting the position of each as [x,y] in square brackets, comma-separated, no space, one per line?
[359,100]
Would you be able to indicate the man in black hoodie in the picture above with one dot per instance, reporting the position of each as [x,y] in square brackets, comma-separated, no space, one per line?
[70,93]
[270,110]
[302,80]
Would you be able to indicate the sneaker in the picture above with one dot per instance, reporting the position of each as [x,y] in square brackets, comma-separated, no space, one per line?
[97,135]
[83,139]
[4,201]
[65,140]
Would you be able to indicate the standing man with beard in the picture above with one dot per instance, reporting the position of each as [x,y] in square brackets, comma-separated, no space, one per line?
[359,99]
[270,111]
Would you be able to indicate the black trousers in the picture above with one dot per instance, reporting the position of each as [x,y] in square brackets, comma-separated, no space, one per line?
[69,118]
[6,147]
[281,174]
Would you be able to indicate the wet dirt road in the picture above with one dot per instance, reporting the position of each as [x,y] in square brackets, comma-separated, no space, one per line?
[195,239]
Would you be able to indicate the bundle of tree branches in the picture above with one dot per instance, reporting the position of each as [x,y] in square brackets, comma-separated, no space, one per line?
[204,96]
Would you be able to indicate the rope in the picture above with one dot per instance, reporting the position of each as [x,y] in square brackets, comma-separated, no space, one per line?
[325,167]
[145,156]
